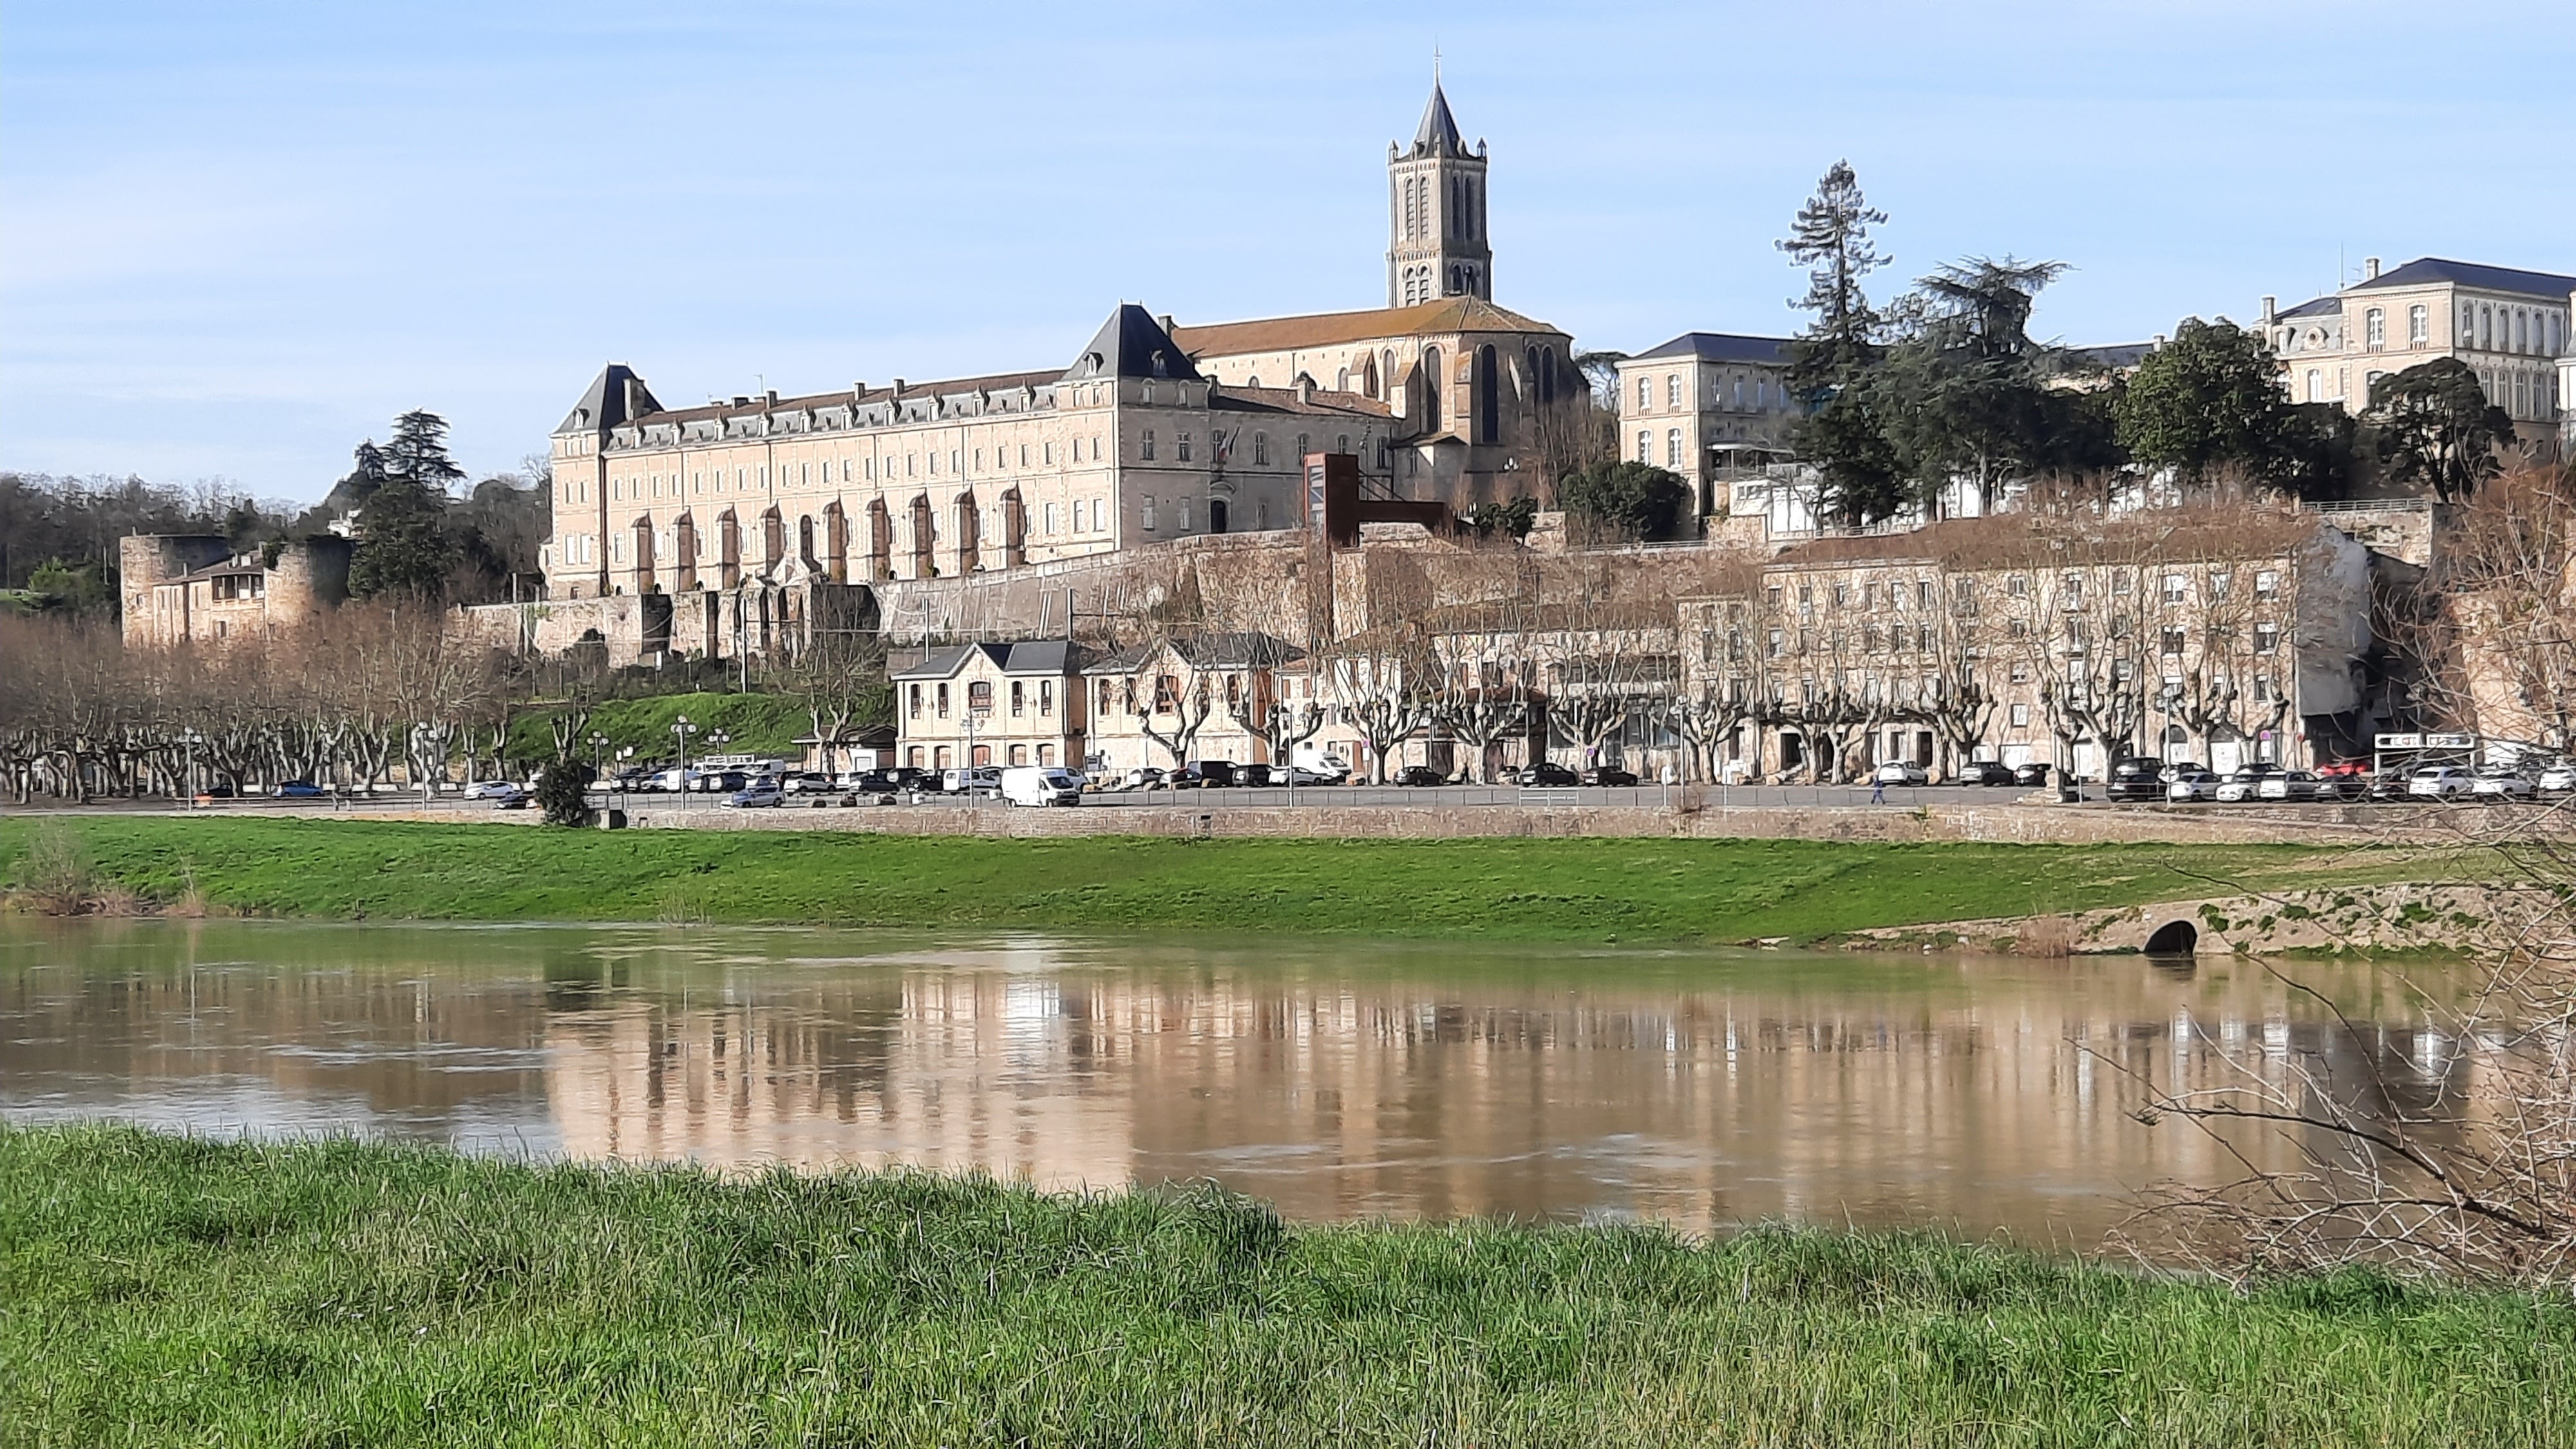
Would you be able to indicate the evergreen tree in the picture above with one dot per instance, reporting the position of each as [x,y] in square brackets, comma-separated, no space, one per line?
[2436,428]
[419,452]
[403,546]
[1631,498]
[2211,401]
[1830,236]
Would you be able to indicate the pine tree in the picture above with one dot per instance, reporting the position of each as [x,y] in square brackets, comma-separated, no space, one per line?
[403,546]
[2437,429]
[1831,237]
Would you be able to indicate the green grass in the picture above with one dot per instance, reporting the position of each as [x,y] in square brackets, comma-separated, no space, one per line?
[1635,890]
[761,724]
[157,1290]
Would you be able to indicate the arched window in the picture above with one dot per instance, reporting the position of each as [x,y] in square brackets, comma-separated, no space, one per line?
[1645,394]
[1645,446]
[1431,389]
[1673,449]
[1489,395]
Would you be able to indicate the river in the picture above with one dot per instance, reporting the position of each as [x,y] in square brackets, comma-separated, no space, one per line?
[1337,1078]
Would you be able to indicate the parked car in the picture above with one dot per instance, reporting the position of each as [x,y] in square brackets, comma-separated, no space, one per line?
[307,790]
[489,790]
[2558,779]
[520,801]
[1986,772]
[723,782]
[1184,778]
[1899,772]
[2288,785]
[2502,782]
[756,795]
[2438,782]
[1214,774]
[2180,767]
[2392,785]
[1143,777]
[1254,777]
[2241,784]
[1300,775]
[2031,775]
[2139,777]
[1608,775]
[972,780]
[804,782]
[2192,786]
[1547,774]
[1417,775]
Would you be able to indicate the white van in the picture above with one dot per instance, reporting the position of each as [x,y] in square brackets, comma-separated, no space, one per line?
[1041,785]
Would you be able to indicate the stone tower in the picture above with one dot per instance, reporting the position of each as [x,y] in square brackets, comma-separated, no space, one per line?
[1436,214]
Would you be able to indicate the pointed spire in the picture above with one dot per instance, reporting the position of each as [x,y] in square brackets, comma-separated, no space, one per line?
[1438,133]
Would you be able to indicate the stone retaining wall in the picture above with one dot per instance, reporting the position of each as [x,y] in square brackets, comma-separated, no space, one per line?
[2035,824]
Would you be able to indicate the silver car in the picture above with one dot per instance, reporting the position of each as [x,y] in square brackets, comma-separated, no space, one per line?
[2189,787]
[2502,782]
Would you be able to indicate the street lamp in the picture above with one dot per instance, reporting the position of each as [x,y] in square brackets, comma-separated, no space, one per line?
[598,748]
[624,753]
[681,728]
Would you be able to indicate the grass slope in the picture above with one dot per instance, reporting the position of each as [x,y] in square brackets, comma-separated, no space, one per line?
[157,1290]
[761,724]
[1569,888]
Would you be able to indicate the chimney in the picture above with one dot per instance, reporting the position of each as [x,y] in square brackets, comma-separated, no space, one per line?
[2370,269]
[2160,342]
[898,387]
[859,388]
[1166,322]
[772,395]
[2271,308]
[742,400]
[1305,388]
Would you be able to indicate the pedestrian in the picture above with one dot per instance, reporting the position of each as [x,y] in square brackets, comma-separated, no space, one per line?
[1877,790]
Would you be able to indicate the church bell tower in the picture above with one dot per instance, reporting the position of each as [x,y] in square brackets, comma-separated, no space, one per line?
[1436,214]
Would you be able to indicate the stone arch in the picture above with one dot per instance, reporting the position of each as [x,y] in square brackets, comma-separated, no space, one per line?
[1015,529]
[643,545]
[684,553]
[805,544]
[2177,937]
[728,550]
[880,541]
[836,542]
[925,535]
[1429,422]
[970,533]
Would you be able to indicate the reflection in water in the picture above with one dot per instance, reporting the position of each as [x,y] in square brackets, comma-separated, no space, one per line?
[1339,1079]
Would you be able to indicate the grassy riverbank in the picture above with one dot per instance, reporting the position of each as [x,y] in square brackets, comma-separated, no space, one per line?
[155,1290]
[1633,889]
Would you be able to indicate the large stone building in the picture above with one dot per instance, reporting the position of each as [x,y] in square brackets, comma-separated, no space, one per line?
[193,588]
[1154,432]
[1715,408]
[2510,326]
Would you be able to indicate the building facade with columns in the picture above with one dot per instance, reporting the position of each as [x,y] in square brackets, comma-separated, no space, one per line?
[2510,326]
[1153,432]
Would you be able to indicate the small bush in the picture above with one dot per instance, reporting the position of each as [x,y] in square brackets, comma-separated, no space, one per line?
[563,793]
[55,874]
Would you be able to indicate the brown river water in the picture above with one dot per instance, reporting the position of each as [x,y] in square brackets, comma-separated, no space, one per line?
[1338,1079]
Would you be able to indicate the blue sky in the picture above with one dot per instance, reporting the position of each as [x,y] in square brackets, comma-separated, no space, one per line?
[235,239]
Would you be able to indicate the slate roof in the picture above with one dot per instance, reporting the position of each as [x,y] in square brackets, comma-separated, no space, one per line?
[2115,354]
[1438,133]
[1332,329]
[2471,274]
[950,387]
[1238,650]
[1132,344]
[1026,656]
[2321,307]
[604,404]
[1722,347]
